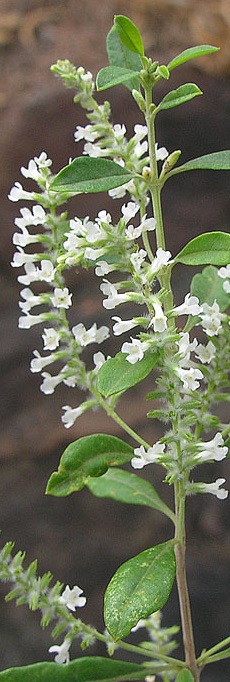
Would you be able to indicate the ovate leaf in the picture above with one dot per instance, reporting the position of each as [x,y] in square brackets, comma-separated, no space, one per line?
[88,174]
[184,676]
[179,96]
[120,56]
[214,161]
[191,53]
[126,487]
[85,669]
[113,75]
[139,587]
[208,287]
[117,374]
[211,247]
[129,34]
[87,456]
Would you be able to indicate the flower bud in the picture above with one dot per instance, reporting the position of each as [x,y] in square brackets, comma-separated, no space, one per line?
[139,99]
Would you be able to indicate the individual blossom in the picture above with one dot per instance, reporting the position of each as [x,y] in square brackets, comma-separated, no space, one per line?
[224,273]
[159,321]
[28,321]
[30,300]
[137,259]
[161,260]
[190,377]
[36,166]
[39,362]
[35,216]
[206,353]
[129,210]
[71,414]
[21,258]
[213,488]
[213,449]
[92,335]
[135,350]
[61,651]
[190,306]
[61,298]
[150,456]
[103,268]
[51,382]
[161,153]
[122,326]
[72,598]
[114,298]
[17,193]
[185,348]
[51,338]
[211,318]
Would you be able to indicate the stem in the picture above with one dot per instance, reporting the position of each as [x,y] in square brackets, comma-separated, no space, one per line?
[111,413]
[184,600]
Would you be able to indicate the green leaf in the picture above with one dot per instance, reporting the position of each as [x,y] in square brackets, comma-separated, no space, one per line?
[113,75]
[120,56]
[210,247]
[87,174]
[191,53]
[85,669]
[139,587]
[184,676]
[208,287]
[179,96]
[117,374]
[87,456]
[126,487]
[214,161]
[129,34]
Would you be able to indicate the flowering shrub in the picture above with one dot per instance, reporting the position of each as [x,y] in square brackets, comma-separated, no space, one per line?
[132,265]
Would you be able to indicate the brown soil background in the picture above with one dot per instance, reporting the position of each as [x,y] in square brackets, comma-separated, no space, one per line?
[80,539]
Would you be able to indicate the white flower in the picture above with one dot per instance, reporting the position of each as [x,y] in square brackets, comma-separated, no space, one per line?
[190,378]
[62,651]
[25,238]
[189,307]
[159,321]
[148,224]
[135,350]
[93,254]
[206,353]
[47,271]
[17,193]
[61,298]
[50,382]
[93,150]
[185,348]
[129,210]
[103,268]
[144,457]
[212,449]
[161,260]
[92,335]
[39,362]
[211,319]
[85,133]
[140,132]
[51,338]
[35,166]
[71,414]
[213,488]
[119,131]
[20,258]
[137,259]
[225,274]
[132,232]
[114,298]
[36,216]
[28,321]
[31,274]
[72,598]
[99,359]
[122,326]
[161,153]
[30,300]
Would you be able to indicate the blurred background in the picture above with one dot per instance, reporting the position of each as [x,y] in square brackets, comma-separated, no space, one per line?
[80,539]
